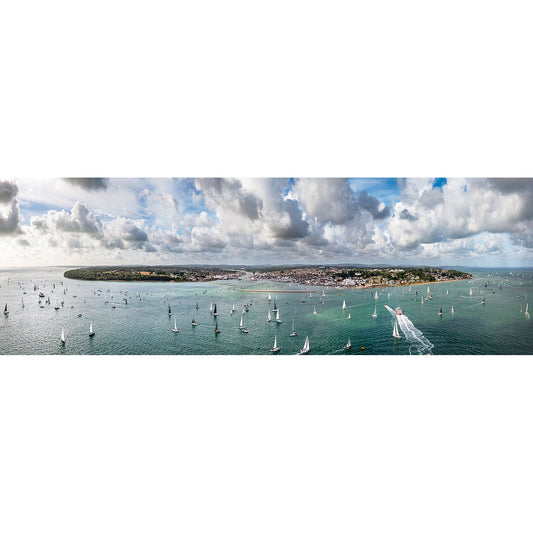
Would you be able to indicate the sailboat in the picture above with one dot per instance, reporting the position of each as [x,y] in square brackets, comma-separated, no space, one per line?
[211,307]
[305,348]
[269,317]
[526,313]
[349,316]
[375,313]
[175,328]
[276,347]
[452,310]
[277,317]
[6,312]
[197,306]
[314,310]
[483,301]
[243,329]
[440,312]
[275,306]
[323,293]
[62,335]
[395,332]
[269,297]
[56,307]
[91,332]
[194,323]
[344,304]
[348,345]
[216,327]
[22,302]
[376,295]
[446,292]
[215,310]
[294,333]
[470,291]
[241,325]
[232,309]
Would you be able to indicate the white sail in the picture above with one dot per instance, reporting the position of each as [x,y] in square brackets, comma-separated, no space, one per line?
[293,334]
[323,293]
[376,295]
[305,348]
[277,316]
[62,335]
[276,347]
[242,322]
[314,310]
[446,292]
[211,307]
[269,317]
[395,333]
[269,297]
[375,312]
[91,329]
[348,345]
[344,304]
[527,306]
[233,308]
[175,326]
[470,291]
[452,310]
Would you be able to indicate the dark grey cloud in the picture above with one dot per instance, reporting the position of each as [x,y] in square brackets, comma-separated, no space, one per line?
[89,184]
[371,204]
[9,223]
[228,192]
[405,215]
[8,191]
[511,185]
[297,227]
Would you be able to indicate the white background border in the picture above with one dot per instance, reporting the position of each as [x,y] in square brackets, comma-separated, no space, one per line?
[265,444]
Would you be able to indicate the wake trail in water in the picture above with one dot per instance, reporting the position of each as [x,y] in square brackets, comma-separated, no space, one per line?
[414,336]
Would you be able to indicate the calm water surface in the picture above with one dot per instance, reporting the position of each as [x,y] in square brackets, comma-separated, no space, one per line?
[143,325]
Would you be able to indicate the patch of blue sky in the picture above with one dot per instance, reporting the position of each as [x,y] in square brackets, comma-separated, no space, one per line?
[439,183]
[385,189]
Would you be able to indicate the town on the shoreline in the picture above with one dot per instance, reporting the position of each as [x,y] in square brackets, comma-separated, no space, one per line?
[328,276]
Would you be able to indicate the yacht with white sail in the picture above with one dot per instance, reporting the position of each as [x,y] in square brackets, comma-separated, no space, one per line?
[305,348]
[276,347]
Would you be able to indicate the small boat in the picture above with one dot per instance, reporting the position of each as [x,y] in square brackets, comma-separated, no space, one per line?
[216,328]
[323,294]
[395,332]
[470,291]
[169,310]
[305,348]
[6,312]
[452,310]
[376,295]
[194,323]
[175,328]
[440,312]
[399,311]
[277,317]
[197,306]
[447,291]
[344,304]
[349,316]
[276,347]
[314,310]
[241,325]
[293,333]
[79,315]
[269,316]
[483,301]
[215,310]
[268,297]
[62,335]
[348,345]
[232,309]
[275,306]
[375,313]
[22,302]
[41,295]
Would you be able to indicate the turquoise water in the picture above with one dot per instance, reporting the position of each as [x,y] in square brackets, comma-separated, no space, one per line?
[143,326]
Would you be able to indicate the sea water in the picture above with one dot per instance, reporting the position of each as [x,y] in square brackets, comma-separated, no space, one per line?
[144,326]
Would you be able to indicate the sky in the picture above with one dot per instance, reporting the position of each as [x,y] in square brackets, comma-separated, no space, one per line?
[484,222]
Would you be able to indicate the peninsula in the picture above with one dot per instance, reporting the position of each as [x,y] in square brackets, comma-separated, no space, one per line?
[328,276]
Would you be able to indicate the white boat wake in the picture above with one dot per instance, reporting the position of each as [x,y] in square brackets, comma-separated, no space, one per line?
[418,343]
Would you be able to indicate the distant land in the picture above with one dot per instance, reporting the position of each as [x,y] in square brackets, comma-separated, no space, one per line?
[329,276]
